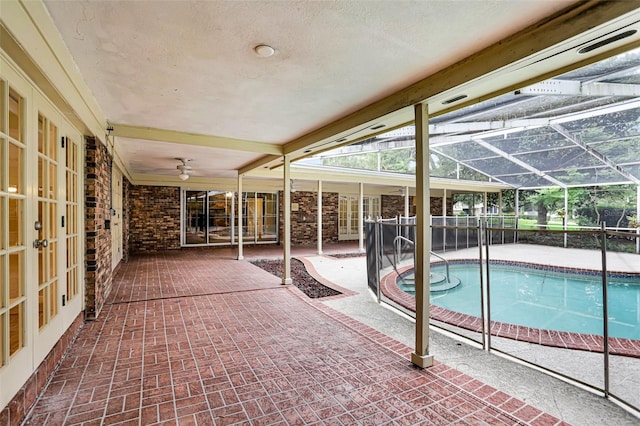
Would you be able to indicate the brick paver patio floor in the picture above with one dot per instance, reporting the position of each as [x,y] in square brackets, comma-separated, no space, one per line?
[189,338]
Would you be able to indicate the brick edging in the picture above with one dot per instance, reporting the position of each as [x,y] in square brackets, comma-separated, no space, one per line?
[325,282]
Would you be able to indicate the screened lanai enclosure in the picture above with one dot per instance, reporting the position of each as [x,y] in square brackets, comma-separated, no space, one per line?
[498,285]
[581,128]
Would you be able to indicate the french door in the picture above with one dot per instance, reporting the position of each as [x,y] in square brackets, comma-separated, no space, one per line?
[348,214]
[116,217]
[40,228]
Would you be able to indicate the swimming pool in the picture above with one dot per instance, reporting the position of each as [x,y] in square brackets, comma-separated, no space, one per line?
[548,300]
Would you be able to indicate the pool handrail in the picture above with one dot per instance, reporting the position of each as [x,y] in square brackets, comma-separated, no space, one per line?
[395,255]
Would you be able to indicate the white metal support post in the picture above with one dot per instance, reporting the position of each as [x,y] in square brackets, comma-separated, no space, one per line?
[517,206]
[406,201]
[638,219]
[421,356]
[361,217]
[444,219]
[485,205]
[565,218]
[319,218]
[444,202]
[240,255]
[286,273]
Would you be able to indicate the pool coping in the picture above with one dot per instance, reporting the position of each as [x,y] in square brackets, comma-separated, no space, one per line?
[559,339]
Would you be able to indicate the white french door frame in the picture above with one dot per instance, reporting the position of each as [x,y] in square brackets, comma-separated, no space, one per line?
[351,203]
[38,342]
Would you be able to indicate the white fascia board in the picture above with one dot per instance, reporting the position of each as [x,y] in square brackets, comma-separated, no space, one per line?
[195,139]
[329,174]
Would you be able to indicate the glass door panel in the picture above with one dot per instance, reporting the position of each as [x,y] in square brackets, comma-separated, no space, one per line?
[269,217]
[72,213]
[353,216]
[348,214]
[250,230]
[46,224]
[343,211]
[195,217]
[220,217]
[12,223]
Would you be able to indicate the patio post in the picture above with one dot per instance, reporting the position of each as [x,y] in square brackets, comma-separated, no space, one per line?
[444,219]
[565,218]
[485,204]
[406,201]
[360,217]
[240,255]
[286,272]
[444,202]
[319,219]
[421,356]
[517,206]
[638,219]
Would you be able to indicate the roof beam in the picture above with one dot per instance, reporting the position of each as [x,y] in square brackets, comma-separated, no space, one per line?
[493,127]
[163,135]
[520,163]
[596,154]
[260,162]
[459,163]
[558,87]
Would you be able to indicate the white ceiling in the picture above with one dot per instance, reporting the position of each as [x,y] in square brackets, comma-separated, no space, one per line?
[189,66]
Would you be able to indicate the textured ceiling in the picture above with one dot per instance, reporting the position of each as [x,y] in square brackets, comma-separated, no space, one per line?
[190,67]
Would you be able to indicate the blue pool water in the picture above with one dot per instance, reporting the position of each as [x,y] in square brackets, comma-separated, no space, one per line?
[546,300]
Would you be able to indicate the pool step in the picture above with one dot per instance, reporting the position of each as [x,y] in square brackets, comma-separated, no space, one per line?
[438,282]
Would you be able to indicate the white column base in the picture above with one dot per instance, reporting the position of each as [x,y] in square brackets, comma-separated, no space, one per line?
[240,257]
[422,361]
[287,281]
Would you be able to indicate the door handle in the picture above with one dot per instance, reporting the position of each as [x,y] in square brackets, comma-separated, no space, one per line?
[40,243]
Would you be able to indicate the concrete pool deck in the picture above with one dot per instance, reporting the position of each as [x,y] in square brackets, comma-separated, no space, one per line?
[565,401]
[554,256]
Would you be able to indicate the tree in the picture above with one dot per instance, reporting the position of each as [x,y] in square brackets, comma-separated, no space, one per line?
[547,199]
[609,204]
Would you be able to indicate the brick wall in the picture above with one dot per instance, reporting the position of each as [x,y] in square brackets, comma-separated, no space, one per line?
[154,223]
[304,225]
[126,218]
[393,205]
[98,236]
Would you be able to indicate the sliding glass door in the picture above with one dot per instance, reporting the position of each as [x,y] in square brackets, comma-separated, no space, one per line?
[210,218]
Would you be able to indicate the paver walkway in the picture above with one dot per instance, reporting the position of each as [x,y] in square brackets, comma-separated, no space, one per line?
[189,338]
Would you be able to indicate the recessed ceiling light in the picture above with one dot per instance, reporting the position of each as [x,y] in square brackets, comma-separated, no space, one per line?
[264,50]
[606,41]
[454,99]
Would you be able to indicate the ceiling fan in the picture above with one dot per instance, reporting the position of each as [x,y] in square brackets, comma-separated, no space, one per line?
[184,168]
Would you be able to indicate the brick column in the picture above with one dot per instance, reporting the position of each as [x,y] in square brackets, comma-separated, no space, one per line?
[97,187]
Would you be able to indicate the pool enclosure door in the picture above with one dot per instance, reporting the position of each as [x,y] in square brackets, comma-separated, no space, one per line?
[40,228]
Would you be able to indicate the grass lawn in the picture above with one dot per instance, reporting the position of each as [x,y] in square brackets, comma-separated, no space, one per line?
[555,224]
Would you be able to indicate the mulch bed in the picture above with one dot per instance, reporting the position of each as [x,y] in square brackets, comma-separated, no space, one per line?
[300,277]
